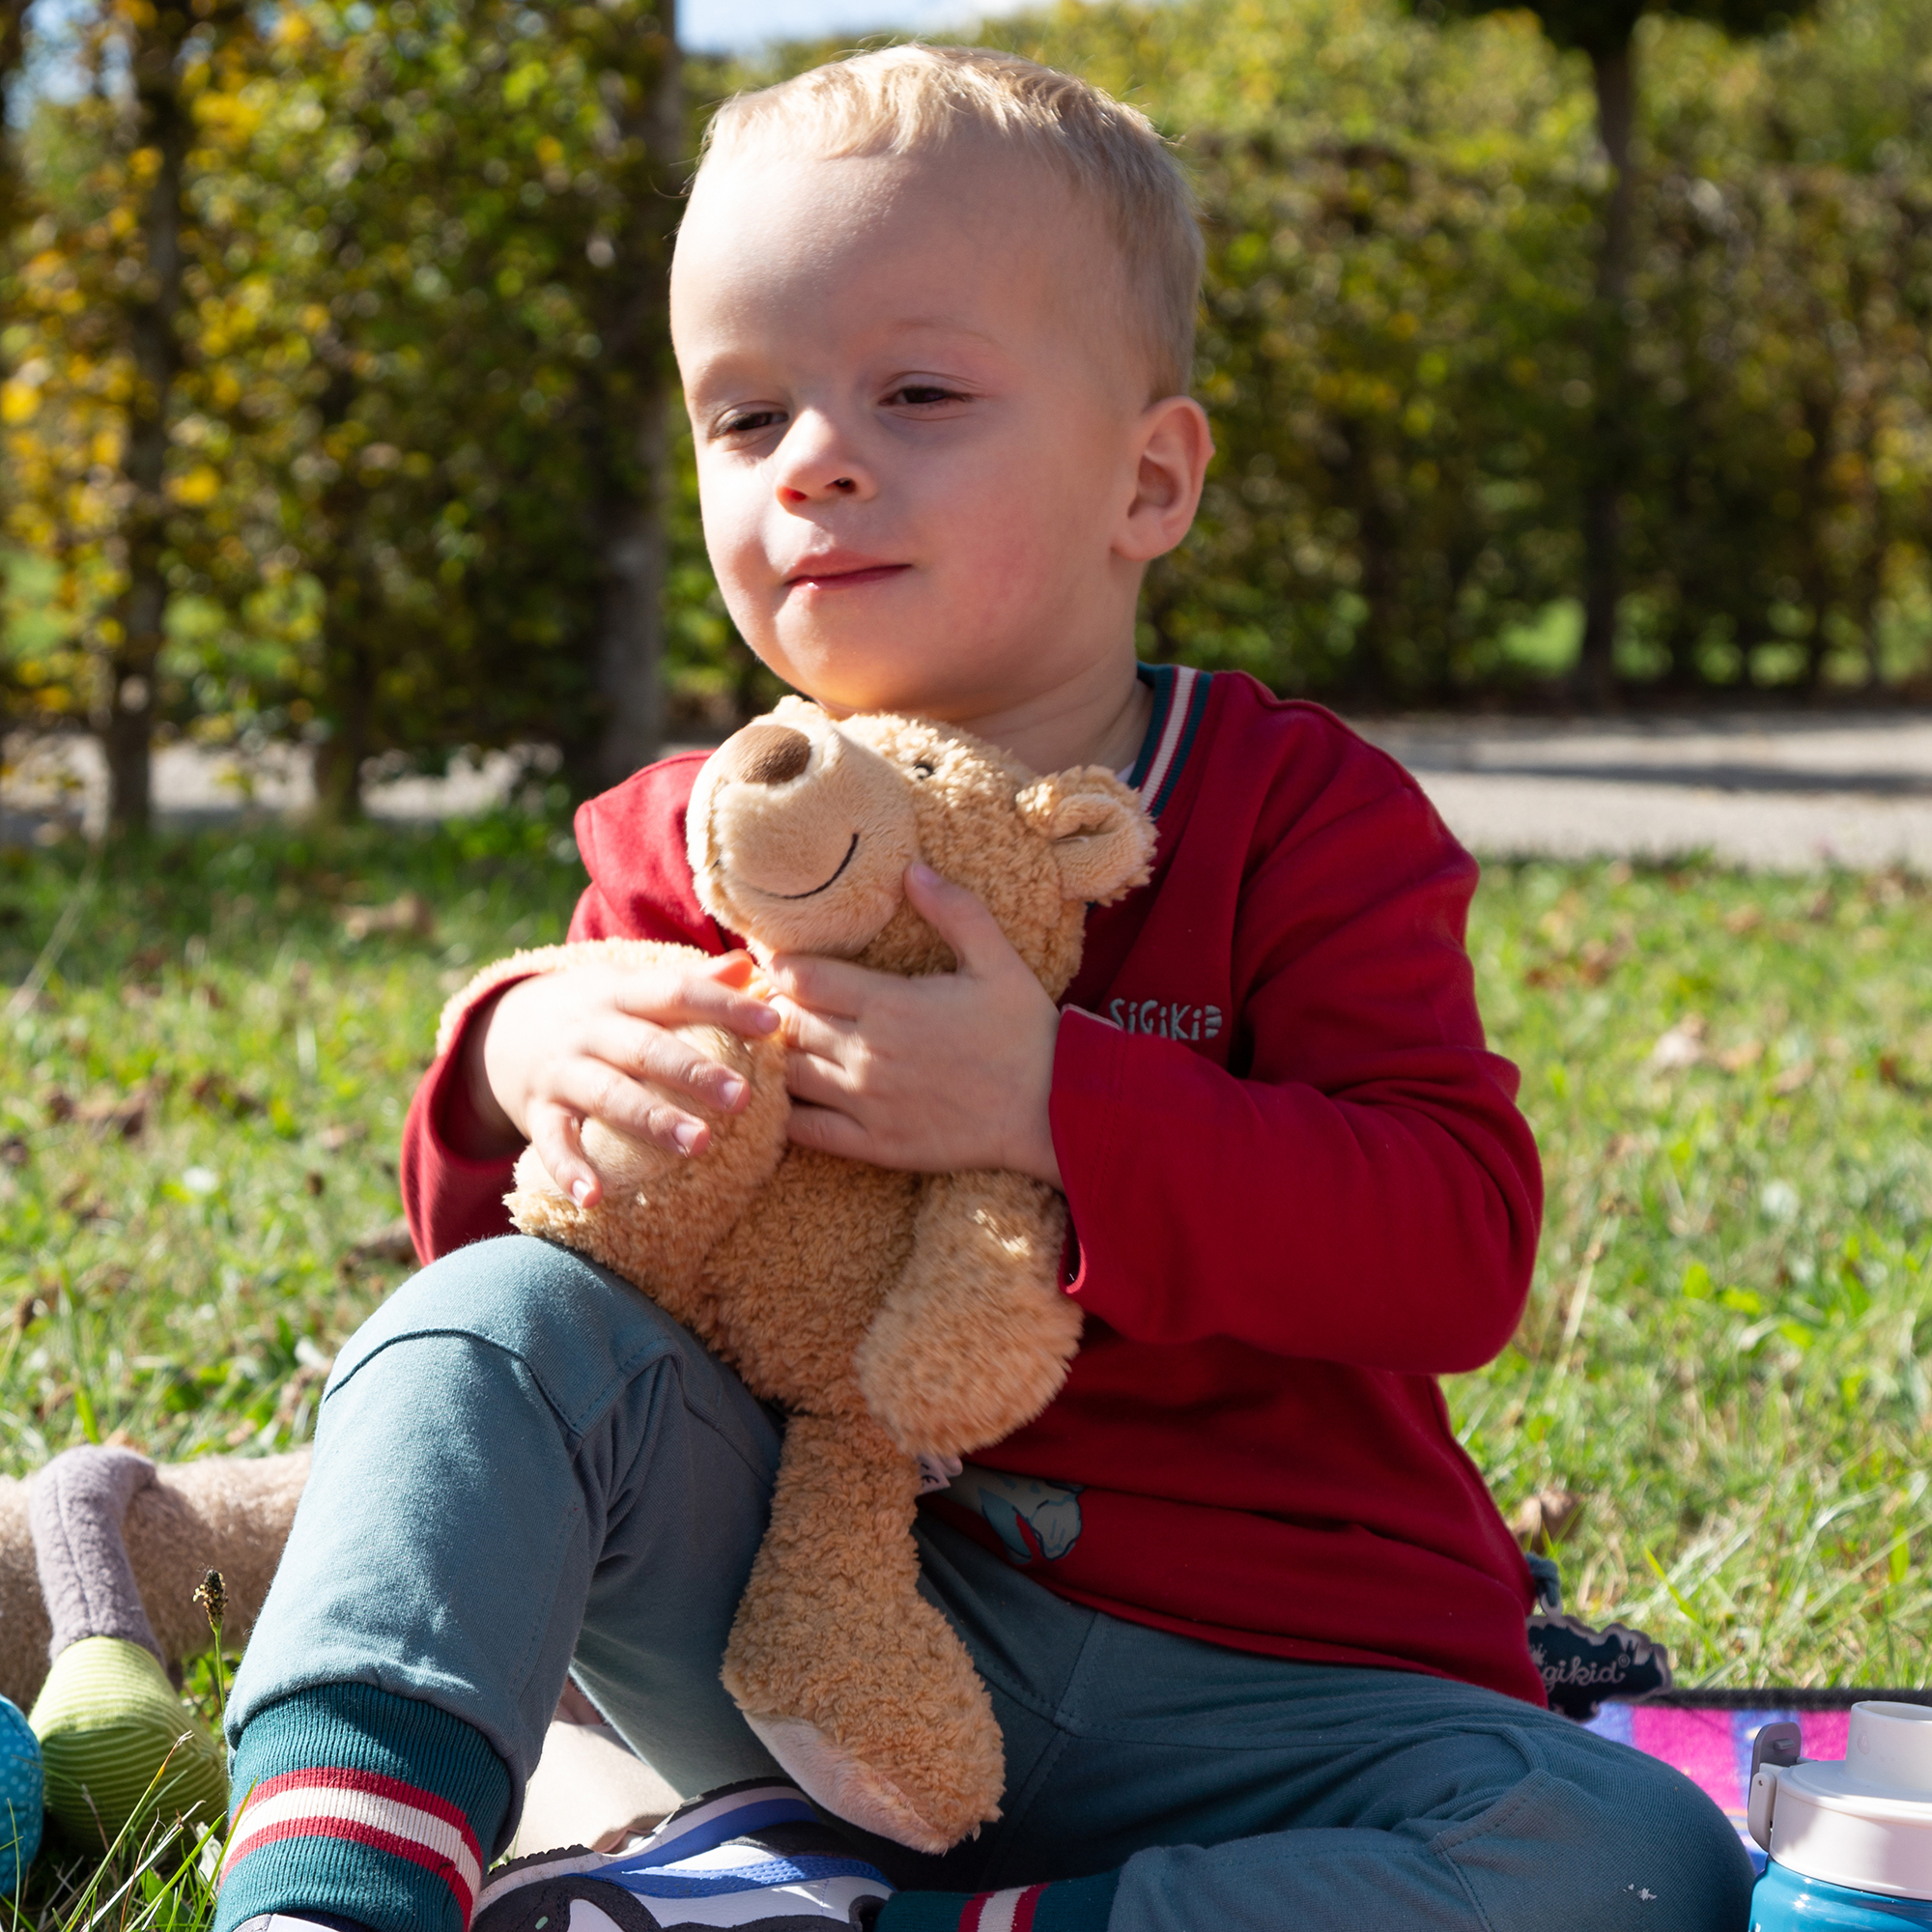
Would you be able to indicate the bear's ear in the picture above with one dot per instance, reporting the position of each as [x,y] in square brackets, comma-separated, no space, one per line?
[1098,830]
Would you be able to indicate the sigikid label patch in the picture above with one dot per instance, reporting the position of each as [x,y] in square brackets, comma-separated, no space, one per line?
[1033,1520]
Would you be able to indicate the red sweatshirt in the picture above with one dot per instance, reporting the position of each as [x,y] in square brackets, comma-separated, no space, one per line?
[1300,1188]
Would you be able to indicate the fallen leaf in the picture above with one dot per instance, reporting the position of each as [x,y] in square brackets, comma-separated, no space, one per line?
[123,1112]
[1745,918]
[1735,1059]
[215,1094]
[14,1150]
[1794,1077]
[410,913]
[390,1243]
[1545,1518]
[334,1139]
[1682,1046]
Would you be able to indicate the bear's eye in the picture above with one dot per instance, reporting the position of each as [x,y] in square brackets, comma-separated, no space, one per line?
[921,770]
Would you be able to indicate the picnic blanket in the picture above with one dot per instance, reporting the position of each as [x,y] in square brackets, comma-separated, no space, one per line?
[1708,1733]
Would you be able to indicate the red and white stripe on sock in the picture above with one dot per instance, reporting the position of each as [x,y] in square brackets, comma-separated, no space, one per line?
[1010,1910]
[360,1808]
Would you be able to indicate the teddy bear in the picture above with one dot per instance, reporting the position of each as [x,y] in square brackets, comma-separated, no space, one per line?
[902,1321]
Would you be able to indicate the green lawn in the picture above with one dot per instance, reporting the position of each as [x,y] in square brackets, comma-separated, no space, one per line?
[1723,1357]
[1727,1354]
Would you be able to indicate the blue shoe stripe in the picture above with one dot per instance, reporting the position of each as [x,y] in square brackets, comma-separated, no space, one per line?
[718,1830]
[767,1872]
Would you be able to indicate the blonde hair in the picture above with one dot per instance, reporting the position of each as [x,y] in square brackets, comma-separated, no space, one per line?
[915,99]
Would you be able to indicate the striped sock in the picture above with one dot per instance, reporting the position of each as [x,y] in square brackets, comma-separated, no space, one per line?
[1072,1905]
[360,1803]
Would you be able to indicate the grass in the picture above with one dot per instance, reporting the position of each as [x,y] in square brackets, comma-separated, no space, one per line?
[1727,1356]
[1726,1359]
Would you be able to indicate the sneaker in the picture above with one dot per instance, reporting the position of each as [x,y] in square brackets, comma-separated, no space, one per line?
[752,1856]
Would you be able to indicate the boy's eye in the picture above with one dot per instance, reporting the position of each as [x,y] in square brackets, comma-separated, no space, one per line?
[919,395]
[750,422]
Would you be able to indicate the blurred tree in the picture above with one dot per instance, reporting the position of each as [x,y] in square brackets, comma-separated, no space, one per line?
[13,47]
[1604,31]
[453,224]
[104,282]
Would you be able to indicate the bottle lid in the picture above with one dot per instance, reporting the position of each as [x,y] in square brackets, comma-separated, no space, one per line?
[1865,1821]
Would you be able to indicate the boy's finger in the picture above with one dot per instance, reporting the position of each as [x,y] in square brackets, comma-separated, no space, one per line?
[829,1131]
[636,1050]
[815,1081]
[694,1000]
[553,1134]
[812,1032]
[959,919]
[832,988]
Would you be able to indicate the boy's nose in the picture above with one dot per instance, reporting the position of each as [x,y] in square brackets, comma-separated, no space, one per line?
[816,464]
[766,755]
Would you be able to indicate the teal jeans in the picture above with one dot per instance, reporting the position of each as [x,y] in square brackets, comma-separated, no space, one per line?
[525,1470]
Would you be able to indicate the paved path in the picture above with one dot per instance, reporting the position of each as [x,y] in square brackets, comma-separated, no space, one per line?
[1774,792]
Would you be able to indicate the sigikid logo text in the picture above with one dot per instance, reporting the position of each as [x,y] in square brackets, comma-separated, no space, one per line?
[1171,1019]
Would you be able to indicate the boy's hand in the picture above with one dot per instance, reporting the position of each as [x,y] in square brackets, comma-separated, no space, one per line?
[593,1042]
[949,1071]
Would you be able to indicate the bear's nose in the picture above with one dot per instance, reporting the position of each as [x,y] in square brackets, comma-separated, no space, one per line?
[765,754]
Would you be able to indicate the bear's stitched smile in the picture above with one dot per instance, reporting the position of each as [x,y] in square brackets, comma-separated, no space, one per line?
[828,885]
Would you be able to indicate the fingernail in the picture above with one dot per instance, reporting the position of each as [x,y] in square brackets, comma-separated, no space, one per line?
[580,1191]
[923,872]
[686,1134]
[731,1090]
[767,1020]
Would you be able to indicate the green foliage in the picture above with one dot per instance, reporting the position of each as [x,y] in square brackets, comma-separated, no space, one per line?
[422,239]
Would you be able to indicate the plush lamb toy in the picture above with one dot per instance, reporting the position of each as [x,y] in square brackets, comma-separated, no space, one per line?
[101,1555]
[895,1316]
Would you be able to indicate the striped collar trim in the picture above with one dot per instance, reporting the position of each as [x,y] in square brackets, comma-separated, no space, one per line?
[1179,700]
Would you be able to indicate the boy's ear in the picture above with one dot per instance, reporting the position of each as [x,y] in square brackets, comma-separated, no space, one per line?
[1097,829]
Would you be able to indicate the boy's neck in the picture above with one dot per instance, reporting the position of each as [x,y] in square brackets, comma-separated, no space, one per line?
[1096,720]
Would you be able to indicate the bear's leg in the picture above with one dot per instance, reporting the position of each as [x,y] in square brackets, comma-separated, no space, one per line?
[975,1339]
[850,1678]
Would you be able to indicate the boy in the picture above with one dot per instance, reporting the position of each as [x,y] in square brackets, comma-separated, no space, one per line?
[1252,1627]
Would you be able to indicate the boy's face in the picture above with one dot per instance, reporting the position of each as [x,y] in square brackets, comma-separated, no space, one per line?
[916,416]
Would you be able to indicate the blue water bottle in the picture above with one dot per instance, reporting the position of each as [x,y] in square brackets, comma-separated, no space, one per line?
[1850,1842]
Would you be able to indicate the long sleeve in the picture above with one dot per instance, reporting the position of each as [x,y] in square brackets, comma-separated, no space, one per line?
[1353,1183]
[632,842]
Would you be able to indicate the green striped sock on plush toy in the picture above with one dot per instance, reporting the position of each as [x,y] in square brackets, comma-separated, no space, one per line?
[118,1746]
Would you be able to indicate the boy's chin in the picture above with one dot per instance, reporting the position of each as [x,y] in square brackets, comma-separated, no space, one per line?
[847,675]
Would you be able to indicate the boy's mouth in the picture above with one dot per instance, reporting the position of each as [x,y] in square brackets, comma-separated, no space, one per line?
[839,571]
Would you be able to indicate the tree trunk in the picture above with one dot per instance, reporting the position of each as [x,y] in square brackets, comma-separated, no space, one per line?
[1815,587]
[1371,674]
[13,47]
[634,533]
[1615,77]
[164,127]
